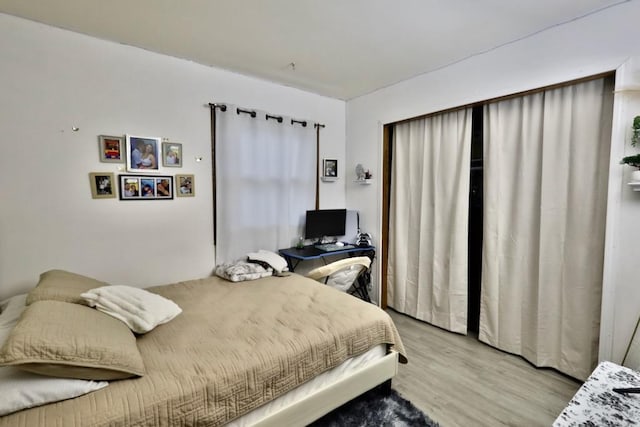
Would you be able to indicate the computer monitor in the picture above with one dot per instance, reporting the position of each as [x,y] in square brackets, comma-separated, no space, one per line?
[325,222]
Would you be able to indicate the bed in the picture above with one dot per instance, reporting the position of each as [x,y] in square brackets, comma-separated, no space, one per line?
[273,351]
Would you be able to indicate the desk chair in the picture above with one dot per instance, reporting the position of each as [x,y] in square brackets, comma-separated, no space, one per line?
[343,275]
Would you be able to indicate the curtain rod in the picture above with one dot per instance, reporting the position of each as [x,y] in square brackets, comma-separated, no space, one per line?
[506,97]
[253,114]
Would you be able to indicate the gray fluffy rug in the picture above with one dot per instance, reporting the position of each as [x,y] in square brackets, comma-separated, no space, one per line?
[377,407]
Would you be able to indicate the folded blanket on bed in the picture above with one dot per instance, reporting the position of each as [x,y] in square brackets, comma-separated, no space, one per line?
[242,270]
[278,263]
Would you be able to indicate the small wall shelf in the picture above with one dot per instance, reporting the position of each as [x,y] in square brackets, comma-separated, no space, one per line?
[329,178]
[635,185]
[363,181]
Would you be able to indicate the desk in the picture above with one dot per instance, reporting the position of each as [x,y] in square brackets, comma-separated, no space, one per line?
[295,256]
[596,404]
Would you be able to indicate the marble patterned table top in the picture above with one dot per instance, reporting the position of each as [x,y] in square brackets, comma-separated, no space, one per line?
[596,404]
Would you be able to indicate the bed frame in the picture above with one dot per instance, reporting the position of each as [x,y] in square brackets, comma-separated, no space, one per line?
[319,403]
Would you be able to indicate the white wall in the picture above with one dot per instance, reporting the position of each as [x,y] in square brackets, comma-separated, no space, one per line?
[597,43]
[621,294]
[52,80]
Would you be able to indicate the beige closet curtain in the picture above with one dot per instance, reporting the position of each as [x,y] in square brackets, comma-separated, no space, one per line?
[427,269]
[545,194]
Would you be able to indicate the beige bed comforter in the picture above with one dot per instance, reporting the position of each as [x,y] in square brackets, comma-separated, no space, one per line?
[234,347]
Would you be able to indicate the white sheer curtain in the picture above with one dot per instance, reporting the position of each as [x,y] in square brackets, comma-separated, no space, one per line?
[427,274]
[546,159]
[265,181]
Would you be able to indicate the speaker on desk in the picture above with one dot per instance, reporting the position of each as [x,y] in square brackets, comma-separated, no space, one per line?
[364,239]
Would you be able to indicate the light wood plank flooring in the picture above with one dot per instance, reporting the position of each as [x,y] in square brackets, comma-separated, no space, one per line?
[459,381]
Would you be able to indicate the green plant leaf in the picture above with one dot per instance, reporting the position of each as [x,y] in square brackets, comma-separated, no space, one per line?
[631,160]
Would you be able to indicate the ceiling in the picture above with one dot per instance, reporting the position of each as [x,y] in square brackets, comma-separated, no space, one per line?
[337,48]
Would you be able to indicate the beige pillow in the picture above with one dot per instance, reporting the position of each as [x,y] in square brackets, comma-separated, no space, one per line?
[72,341]
[60,285]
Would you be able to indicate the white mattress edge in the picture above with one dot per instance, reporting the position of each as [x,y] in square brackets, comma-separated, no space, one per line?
[341,371]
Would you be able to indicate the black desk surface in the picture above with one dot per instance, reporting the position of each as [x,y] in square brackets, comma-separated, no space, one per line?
[311,252]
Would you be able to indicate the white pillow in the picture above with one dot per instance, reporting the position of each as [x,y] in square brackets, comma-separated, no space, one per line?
[140,310]
[21,390]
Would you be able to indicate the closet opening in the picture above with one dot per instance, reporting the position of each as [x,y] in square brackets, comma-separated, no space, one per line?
[387,153]
[547,152]
[474,250]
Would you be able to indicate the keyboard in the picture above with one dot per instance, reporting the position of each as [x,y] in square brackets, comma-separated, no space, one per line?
[330,247]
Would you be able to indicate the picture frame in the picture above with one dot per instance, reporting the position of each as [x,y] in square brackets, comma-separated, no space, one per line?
[185,186]
[172,154]
[145,187]
[330,168]
[143,153]
[102,185]
[111,149]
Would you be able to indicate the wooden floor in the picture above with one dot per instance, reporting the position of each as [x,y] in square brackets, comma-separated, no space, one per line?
[459,381]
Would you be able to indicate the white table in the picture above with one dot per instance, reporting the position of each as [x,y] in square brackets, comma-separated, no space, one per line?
[595,404]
